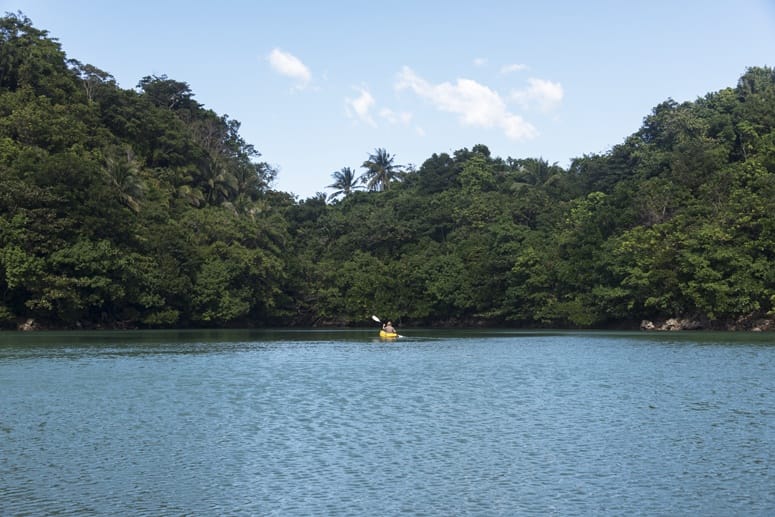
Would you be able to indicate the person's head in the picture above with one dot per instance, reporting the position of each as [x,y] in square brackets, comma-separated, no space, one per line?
[389,322]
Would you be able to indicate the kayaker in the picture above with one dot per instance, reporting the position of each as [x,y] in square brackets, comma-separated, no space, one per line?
[388,327]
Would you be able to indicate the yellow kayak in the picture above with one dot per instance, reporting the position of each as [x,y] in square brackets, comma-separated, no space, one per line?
[384,334]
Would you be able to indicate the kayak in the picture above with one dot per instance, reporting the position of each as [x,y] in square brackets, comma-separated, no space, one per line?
[384,334]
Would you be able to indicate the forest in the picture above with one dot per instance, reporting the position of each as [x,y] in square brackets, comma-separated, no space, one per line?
[142,208]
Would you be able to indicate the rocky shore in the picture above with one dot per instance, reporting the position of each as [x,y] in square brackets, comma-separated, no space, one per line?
[750,324]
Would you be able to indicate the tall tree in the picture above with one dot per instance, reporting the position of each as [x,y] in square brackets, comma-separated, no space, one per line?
[380,170]
[167,93]
[30,59]
[345,182]
[91,77]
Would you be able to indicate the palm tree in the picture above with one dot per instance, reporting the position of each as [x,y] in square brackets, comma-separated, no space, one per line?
[536,172]
[380,170]
[217,181]
[123,172]
[345,182]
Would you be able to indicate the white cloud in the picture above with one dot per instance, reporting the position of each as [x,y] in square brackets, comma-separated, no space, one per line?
[475,104]
[403,118]
[361,105]
[545,94]
[507,69]
[289,65]
[480,61]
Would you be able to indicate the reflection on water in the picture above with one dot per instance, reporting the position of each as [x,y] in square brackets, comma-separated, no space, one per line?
[341,423]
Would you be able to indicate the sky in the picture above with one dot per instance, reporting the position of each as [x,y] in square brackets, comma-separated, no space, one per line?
[320,85]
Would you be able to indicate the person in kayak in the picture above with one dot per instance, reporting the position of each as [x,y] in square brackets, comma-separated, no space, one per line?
[388,327]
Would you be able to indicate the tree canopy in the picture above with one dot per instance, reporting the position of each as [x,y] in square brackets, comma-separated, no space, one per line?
[143,208]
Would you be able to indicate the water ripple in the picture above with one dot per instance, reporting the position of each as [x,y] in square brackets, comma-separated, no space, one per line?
[535,425]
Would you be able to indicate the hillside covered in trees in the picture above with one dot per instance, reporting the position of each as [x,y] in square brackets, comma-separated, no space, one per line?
[142,208]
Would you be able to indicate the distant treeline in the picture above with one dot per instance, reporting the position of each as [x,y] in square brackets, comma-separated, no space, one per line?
[142,208]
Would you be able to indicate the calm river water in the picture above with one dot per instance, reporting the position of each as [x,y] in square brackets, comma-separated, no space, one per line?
[339,423]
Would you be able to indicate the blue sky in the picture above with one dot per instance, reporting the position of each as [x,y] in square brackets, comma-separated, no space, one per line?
[320,85]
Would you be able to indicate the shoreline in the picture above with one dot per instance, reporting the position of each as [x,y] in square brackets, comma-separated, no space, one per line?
[742,324]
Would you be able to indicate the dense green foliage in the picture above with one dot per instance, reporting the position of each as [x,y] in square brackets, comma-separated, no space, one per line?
[131,208]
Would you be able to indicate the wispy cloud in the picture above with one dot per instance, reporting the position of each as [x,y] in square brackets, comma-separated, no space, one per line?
[475,104]
[289,65]
[360,107]
[403,118]
[480,61]
[545,94]
[508,69]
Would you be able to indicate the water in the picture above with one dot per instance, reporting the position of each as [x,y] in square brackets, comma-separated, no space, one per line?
[340,423]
